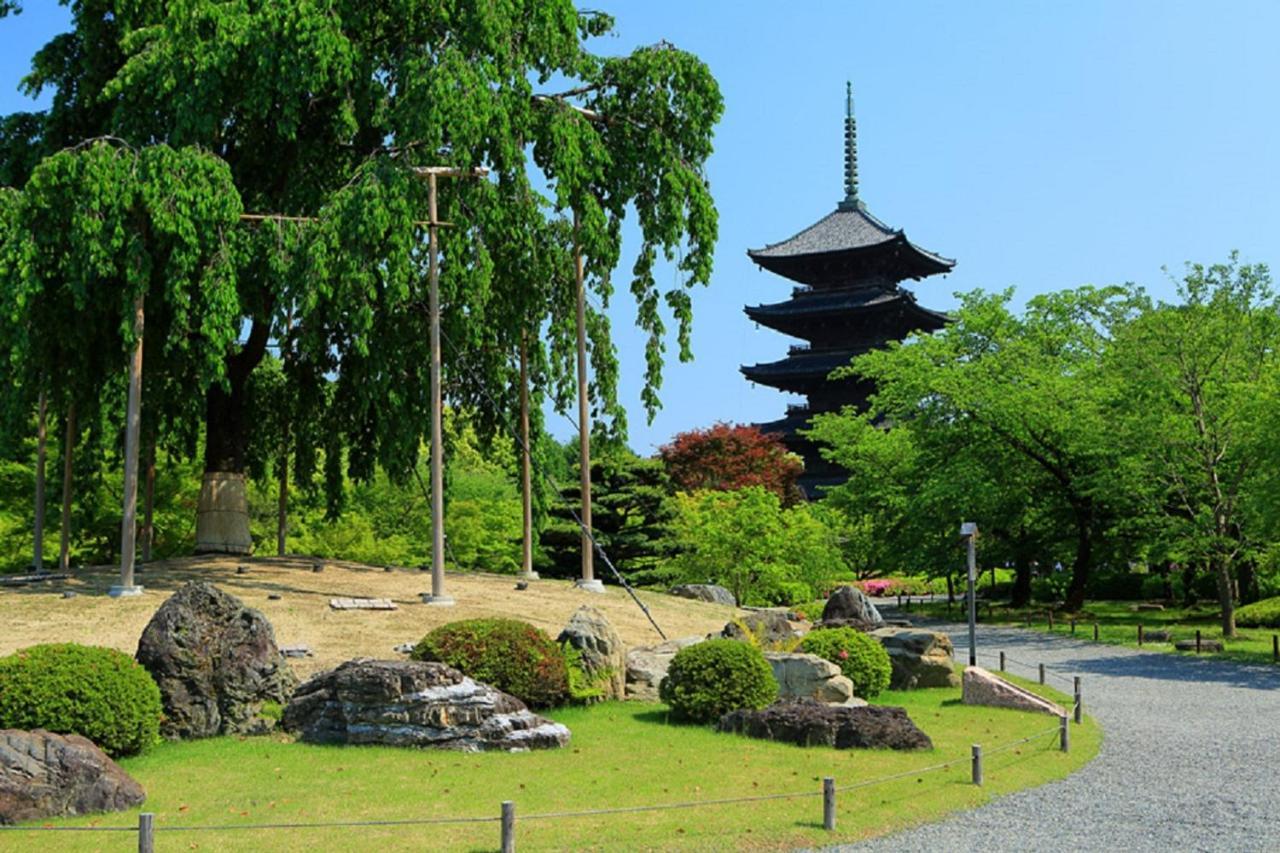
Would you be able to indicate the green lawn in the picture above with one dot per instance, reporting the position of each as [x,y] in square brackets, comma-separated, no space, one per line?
[1118,625]
[622,754]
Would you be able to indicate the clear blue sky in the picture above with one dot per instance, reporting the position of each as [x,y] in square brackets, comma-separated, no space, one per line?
[1041,145]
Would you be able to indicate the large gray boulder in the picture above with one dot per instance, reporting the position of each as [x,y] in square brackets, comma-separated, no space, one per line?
[45,775]
[216,662]
[770,628]
[802,676]
[808,722]
[709,592]
[848,606]
[647,666]
[415,704]
[919,658]
[603,657]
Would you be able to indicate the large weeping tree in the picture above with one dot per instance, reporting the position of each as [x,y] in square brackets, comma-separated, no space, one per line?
[322,112]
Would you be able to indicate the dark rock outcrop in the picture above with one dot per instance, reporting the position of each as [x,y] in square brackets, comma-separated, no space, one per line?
[808,722]
[849,606]
[415,704]
[710,592]
[604,658]
[770,627]
[216,662]
[45,775]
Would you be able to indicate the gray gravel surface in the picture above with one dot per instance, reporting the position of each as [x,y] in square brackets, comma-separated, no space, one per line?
[1190,758]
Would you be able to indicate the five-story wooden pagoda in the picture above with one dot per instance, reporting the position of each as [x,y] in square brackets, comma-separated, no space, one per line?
[848,268]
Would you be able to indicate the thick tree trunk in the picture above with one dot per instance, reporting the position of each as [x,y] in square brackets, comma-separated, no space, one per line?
[1021,595]
[222,516]
[68,471]
[1084,560]
[37,556]
[1222,570]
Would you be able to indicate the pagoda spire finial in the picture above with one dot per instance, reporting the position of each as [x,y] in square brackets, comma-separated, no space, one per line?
[850,151]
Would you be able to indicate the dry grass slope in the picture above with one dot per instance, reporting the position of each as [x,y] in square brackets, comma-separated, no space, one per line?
[39,613]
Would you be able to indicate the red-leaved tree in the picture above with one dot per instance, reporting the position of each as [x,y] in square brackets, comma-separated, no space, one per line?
[728,456]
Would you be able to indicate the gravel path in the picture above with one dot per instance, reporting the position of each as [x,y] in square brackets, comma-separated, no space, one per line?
[1190,758]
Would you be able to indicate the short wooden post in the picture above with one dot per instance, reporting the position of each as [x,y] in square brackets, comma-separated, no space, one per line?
[1079,710]
[1095,632]
[829,804]
[1197,641]
[146,833]
[1042,673]
[977,764]
[1050,621]
[1139,635]
[508,826]
[1002,661]
[1275,647]
[1073,627]
[1064,734]
[899,599]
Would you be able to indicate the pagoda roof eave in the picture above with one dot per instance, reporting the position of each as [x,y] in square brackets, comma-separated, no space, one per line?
[844,304]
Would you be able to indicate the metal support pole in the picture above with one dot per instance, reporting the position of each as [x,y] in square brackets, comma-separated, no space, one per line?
[829,804]
[526,468]
[508,826]
[1064,734]
[146,833]
[970,531]
[438,595]
[588,580]
[133,422]
[1079,705]
[977,764]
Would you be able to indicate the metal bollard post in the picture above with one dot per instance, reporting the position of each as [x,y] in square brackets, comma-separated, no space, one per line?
[1064,734]
[1079,712]
[977,764]
[508,826]
[1139,635]
[1042,673]
[1002,661]
[146,833]
[829,804]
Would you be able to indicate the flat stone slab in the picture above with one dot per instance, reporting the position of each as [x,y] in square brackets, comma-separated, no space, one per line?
[22,580]
[361,604]
[980,687]
[298,650]
[1205,645]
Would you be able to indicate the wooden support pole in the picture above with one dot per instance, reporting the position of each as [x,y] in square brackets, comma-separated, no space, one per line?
[1139,635]
[1064,734]
[149,505]
[42,434]
[1073,627]
[438,595]
[508,826]
[133,421]
[1079,702]
[829,803]
[1275,647]
[1197,641]
[588,580]
[1095,632]
[1042,673]
[1050,621]
[526,467]
[68,474]
[146,833]
[1002,661]
[977,764]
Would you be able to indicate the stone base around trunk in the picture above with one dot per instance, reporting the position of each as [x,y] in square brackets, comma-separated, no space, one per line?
[222,516]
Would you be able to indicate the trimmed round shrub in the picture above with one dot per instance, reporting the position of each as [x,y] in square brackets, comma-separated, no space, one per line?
[860,657]
[1260,614]
[99,693]
[511,655]
[709,679]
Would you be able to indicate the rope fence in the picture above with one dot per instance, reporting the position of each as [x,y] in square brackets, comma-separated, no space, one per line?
[146,829]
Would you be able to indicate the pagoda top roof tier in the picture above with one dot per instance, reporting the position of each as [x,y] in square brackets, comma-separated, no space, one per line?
[846,245]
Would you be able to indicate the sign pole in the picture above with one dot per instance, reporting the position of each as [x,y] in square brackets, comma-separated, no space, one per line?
[969,530]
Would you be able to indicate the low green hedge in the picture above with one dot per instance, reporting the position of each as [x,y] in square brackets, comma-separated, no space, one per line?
[99,693]
[860,657]
[1260,614]
[712,678]
[511,655]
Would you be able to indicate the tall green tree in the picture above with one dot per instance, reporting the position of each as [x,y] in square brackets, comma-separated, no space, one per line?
[322,112]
